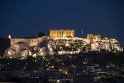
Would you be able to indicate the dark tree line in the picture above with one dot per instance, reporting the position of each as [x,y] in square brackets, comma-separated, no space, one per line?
[40,34]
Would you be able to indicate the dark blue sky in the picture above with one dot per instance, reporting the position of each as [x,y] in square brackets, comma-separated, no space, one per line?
[28,17]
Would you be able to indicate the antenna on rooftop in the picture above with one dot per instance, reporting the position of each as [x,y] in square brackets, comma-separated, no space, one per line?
[82,32]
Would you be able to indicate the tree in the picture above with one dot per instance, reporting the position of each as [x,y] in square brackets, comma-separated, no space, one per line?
[40,34]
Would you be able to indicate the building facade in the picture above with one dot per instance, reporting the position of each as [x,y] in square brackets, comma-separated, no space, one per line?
[92,36]
[62,33]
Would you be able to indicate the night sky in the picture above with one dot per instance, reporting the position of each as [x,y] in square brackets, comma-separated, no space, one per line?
[22,18]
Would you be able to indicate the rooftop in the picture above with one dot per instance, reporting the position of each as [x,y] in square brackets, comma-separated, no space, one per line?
[61,29]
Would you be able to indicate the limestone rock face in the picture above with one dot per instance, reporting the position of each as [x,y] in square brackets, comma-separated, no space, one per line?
[17,50]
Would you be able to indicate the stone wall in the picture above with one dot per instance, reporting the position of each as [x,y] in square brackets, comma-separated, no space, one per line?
[28,41]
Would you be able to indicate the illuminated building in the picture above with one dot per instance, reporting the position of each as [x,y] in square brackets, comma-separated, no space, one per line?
[62,33]
[92,36]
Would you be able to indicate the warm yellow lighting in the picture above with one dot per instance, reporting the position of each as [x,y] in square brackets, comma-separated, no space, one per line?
[62,33]
[52,66]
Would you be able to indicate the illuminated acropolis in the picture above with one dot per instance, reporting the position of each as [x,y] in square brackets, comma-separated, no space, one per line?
[60,41]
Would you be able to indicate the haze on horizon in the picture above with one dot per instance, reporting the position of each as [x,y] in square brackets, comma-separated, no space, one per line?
[29,17]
